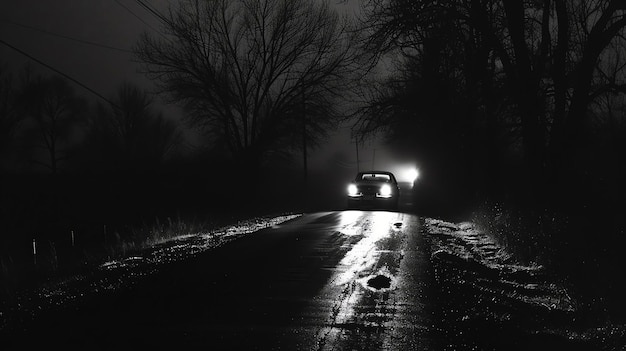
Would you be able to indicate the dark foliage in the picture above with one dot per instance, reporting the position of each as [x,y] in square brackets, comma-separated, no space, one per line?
[517,105]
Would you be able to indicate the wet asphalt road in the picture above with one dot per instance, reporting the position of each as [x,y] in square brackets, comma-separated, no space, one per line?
[337,280]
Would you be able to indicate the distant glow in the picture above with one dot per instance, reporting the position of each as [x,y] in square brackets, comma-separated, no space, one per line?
[385,190]
[412,174]
[352,190]
[406,172]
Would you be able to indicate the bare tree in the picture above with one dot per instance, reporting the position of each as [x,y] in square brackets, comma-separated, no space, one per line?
[8,114]
[131,135]
[247,69]
[52,109]
[132,116]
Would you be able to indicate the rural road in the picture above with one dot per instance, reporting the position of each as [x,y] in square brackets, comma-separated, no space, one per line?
[324,281]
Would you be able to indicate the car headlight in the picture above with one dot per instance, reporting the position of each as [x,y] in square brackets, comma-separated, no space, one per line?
[352,190]
[385,190]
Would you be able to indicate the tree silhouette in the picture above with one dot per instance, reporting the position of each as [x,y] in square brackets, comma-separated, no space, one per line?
[51,110]
[246,70]
[8,115]
[131,135]
[527,69]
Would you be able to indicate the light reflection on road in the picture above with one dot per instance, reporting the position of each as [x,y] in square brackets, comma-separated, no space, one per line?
[349,224]
[350,280]
[363,256]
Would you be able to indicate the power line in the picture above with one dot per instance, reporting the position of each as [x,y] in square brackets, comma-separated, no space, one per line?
[135,15]
[59,72]
[153,11]
[65,36]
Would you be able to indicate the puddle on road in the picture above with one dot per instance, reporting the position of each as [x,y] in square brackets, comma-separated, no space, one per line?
[379,282]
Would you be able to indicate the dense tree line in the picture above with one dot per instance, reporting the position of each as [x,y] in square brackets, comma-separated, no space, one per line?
[517,103]
[67,161]
[48,128]
[526,77]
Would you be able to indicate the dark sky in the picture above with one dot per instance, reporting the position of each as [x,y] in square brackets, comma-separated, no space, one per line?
[87,40]
[91,41]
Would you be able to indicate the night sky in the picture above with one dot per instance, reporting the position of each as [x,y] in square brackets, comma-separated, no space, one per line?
[92,41]
[89,41]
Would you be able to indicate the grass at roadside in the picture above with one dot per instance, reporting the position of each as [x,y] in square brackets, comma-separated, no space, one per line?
[489,299]
[583,246]
[29,265]
[33,261]
[125,263]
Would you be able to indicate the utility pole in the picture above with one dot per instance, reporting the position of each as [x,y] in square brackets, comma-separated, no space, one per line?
[356,143]
[304,153]
[374,160]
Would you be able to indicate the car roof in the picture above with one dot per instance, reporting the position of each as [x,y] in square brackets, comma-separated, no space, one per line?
[379,172]
[387,173]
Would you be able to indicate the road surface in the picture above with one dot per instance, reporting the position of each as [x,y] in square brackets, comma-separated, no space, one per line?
[336,280]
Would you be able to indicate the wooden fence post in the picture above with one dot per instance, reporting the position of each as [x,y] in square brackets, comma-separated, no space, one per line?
[34,251]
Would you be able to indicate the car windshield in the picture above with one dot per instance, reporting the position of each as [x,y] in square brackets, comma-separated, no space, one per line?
[375,177]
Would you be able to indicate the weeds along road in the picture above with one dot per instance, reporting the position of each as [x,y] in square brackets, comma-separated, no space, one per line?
[328,280]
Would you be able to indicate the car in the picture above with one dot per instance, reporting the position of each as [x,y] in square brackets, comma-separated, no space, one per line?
[373,189]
